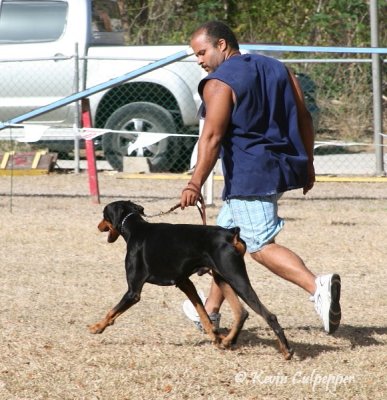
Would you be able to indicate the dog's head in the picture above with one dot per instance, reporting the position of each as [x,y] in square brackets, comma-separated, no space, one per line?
[113,216]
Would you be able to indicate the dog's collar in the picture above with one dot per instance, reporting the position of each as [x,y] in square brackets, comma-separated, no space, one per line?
[124,220]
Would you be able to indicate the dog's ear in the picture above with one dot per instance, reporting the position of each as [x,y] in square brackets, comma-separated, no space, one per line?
[135,207]
[105,226]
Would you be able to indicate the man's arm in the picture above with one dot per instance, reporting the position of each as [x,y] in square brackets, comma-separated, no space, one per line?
[218,98]
[305,126]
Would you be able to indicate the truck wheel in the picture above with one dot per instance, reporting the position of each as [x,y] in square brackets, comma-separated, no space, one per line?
[140,117]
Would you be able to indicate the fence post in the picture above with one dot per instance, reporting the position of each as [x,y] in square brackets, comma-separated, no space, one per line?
[377,90]
[90,153]
[76,110]
[208,189]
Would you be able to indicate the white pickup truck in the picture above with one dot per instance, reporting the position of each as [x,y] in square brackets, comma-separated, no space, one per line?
[38,39]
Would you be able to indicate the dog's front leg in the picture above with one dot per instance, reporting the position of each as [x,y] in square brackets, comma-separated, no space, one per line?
[100,326]
[189,289]
[127,301]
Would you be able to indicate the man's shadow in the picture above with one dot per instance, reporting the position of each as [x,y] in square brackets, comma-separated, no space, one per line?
[358,336]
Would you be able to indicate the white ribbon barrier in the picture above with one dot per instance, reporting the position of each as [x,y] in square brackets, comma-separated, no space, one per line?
[144,139]
[33,133]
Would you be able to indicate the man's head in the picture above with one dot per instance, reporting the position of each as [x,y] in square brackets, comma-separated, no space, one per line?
[212,43]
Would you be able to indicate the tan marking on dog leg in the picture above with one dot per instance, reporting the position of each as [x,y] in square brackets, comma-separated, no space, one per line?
[287,353]
[206,322]
[239,313]
[100,326]
[189,289]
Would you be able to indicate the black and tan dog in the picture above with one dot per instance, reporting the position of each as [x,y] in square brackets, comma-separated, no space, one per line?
[168,254]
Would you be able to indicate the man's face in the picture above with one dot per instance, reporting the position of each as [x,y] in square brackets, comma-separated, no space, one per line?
[209,57]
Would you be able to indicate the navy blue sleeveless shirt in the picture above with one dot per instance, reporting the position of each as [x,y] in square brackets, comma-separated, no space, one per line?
[262,151]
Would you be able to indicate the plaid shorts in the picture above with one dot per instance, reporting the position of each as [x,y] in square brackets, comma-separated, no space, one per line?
[257,217]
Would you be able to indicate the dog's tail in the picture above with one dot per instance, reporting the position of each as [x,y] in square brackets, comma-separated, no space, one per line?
[237,242]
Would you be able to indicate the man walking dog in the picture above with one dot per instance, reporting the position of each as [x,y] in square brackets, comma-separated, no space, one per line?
[255,118]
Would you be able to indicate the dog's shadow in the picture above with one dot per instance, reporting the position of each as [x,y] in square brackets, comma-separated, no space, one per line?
[357,336]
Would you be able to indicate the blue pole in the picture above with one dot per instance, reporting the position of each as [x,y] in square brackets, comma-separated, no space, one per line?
[315,49]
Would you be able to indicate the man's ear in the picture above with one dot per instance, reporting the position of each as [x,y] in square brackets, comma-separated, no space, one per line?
[222,44]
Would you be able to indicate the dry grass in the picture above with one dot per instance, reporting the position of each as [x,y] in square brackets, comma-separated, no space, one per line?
[58,275]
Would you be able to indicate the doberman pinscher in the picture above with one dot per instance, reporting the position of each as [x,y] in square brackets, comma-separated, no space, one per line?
[168,254]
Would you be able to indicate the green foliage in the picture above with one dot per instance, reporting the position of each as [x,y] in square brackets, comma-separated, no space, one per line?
[303,22]
[342,23]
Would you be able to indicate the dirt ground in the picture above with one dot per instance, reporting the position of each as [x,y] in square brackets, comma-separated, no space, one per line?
[58,275]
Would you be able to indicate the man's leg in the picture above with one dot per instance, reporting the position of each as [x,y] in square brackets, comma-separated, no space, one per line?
[286,264]
[279,260]
[214,300]
[325,289]
[289,266]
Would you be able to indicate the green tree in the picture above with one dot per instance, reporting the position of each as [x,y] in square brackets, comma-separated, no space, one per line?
[303,22]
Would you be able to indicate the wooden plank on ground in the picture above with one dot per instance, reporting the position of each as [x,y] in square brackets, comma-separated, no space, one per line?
[27,163]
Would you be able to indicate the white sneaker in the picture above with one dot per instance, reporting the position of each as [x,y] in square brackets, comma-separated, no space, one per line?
[191,313]
[327,301]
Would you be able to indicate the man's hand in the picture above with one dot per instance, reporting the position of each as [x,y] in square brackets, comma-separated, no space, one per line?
[311,178]
[190,195]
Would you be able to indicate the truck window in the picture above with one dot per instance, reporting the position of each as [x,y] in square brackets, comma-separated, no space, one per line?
[31,21]
[106,23]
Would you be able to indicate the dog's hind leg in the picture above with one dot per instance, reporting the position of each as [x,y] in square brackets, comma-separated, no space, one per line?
[271,319]
[233,271]
[239,313]
[250,297]
[189,289]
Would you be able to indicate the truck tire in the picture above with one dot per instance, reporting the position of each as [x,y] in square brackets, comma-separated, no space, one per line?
[144,117]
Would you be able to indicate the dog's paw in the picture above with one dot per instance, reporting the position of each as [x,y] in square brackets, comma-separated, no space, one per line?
[288,354]
[96,328]
[221,342]
[226,344]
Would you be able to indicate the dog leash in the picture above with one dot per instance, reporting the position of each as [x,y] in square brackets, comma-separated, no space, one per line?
[201,208]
